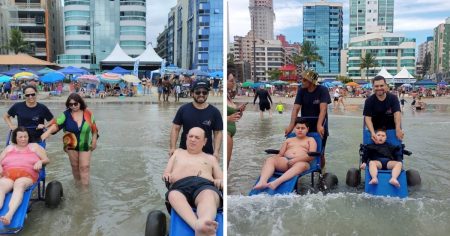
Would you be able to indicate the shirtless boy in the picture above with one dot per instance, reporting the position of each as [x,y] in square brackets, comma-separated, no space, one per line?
[292,159]
[195,179]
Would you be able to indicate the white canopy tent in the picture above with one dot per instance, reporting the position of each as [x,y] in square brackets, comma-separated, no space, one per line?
[404,77]
[383,72]
[117,57]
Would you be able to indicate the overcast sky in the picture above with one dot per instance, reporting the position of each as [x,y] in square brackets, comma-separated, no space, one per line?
[415,18]
[157,11]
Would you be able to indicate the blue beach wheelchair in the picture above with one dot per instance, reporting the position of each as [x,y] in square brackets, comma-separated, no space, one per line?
[384,188]
[156,223]
[327,181]
[50,194]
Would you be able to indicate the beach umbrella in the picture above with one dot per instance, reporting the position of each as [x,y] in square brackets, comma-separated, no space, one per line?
[5,78]
[88,79]
[44,71]
[328,85]
[52,77]
[367,86]
[131,79]
[258,84]
[247,84]
[337,83]
[294,84]
[352,84]
[110,78]
[216,74]
[71,70]
[406,85]
[119,70]
[25,76]
[279,82]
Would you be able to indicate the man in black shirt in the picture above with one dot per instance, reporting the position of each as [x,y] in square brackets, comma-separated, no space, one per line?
[312,100]
[264,98]
[198,114]
[382,109]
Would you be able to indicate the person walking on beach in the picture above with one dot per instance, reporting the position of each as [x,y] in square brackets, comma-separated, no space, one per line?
[80,136]
[198,114]
[264,98]
[312,101]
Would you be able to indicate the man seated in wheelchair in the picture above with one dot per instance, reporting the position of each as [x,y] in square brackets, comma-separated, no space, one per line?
[21,162]
[195,179]
[293,158]
[382,155]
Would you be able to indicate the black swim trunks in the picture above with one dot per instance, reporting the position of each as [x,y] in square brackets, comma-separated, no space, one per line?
[191,186]
[264,106]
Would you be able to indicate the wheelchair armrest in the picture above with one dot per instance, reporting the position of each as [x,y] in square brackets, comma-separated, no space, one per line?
[272,151]
[406,152]
[314,154]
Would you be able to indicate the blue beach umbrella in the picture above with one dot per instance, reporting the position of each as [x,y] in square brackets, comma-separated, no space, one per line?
[328,85]
[367,86]
[52,77]
[5,78]
[216,74]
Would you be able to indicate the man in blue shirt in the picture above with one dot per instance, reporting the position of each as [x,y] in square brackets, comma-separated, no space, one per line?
[198,114]
[312,101]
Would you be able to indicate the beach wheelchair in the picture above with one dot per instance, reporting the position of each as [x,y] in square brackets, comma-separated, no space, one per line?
[327,181]
[156,224]
[51,194]
[384,188]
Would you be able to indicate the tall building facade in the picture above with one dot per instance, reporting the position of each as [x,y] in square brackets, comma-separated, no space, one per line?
[423,49]
[371,16]
[391,50]
[28,16]
[323,26]
[262,18]
[92,29]
[197,40]
[441,63]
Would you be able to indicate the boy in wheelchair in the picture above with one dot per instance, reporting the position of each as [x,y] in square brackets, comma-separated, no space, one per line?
[381,155]
[293,158]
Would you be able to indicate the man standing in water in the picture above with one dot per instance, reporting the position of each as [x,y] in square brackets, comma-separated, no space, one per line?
[312,101]
[264,98]
[382,109]
[195,179]
[198,114]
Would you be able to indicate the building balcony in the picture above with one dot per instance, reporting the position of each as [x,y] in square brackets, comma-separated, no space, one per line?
[40,51]
[38,21]
[40,37]
[29,6]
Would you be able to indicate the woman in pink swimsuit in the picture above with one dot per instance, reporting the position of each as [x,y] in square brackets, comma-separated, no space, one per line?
[20,165]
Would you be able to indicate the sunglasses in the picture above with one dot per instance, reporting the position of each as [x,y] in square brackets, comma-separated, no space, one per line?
[30,95]
[201,92]
[73,104]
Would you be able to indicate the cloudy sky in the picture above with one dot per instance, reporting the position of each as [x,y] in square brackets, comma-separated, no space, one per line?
[415,18]
[157,11]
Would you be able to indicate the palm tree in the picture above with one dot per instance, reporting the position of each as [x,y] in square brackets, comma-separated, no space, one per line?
[17,43]
[367,62]
[308,55]
[274,74]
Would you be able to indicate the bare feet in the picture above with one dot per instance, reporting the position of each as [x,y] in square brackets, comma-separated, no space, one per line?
[394,182]
[205,227]
[6,219]
[260,186]
[273,185]
[373,181]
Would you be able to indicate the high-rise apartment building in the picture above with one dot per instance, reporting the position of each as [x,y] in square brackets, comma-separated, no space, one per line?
[92,29]
[28,16]
[323,26]
[195,35]
[262,18]
[371,16]
[423,49]
[441,63]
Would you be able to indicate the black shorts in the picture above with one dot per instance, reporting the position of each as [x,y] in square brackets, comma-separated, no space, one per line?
[191,187]
[336,99]
[264,106]
[384,162]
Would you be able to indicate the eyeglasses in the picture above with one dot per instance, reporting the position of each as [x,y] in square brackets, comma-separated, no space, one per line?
[201,92]
[30,95]
[73,104]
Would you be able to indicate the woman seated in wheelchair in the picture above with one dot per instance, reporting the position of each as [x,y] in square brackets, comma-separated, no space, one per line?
[382,156]
[21,162]
[293,158]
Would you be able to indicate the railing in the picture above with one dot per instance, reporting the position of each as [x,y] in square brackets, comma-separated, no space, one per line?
[40,50]
[23,20]
[34,35]
[22,5]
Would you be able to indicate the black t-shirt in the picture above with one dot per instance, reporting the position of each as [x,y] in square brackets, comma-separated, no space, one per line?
[216,82]
[31,117]
[382,112]
[263,95]
[377,151]
[310,102]
[208,119]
